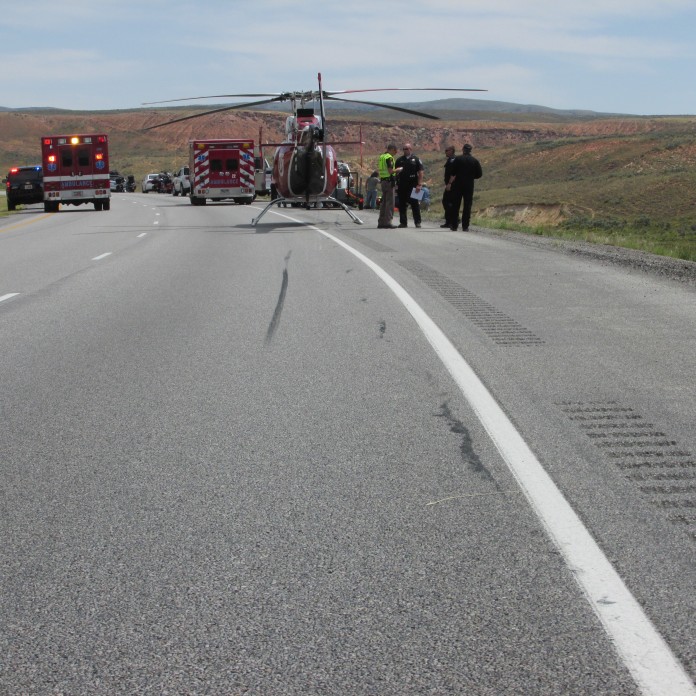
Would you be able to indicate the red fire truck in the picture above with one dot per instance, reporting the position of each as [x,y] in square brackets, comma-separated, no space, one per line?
[76,171]
[221,169]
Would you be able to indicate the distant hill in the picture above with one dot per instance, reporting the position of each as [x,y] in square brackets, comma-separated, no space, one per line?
[449,109]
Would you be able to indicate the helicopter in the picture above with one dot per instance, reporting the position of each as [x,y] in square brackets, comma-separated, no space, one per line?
[305,166]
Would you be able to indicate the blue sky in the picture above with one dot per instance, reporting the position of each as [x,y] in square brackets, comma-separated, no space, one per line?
[618,56]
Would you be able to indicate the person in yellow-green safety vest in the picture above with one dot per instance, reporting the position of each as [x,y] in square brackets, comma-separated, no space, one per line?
[387,180]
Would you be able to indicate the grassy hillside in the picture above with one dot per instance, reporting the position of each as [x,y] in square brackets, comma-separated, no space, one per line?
[628,181]
[636,190]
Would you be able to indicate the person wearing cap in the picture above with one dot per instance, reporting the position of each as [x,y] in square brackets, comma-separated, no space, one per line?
[410,180]
[466,170]
[387,178]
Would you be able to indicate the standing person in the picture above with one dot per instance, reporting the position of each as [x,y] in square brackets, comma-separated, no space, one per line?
[410,178]
[448,194]
[387,179]
[371,190]
[466,170]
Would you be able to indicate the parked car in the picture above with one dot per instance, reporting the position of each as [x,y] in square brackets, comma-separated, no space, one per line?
[24,185]
[149,182]
[181,184]
[117,182]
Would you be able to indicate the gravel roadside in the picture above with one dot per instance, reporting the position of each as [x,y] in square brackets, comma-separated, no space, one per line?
[662,266]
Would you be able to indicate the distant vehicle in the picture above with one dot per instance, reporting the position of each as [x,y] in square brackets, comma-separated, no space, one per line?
[24,185]
[263,176]
[163,183]
[221,169]
[181,183]
[76,170]
[117,182]
[149,182]
[345,192]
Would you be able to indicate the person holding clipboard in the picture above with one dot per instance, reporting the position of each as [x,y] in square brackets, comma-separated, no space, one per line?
[409,185]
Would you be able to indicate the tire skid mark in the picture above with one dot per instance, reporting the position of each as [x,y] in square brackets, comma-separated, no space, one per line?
[466,446]
[275,320]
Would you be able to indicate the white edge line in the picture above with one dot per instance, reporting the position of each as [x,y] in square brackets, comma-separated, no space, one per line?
[142,234]
[102,256]
[652,664]
[8,296]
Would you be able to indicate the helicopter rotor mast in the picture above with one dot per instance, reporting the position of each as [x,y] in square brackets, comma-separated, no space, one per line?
[323,124]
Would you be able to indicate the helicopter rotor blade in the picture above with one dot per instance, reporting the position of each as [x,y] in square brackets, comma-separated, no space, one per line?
[385,106]
[407,89]
[212,111]
[215,96]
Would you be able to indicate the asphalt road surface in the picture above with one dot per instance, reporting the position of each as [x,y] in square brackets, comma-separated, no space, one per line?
[313,457]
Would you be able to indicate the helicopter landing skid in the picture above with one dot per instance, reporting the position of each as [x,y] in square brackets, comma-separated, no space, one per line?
[278,201]
[351,214]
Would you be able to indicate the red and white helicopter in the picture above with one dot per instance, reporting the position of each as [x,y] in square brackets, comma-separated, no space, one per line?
[305,166]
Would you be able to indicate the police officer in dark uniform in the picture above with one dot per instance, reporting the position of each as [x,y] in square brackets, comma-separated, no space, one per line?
[448,194]
[466,170]
[410,177]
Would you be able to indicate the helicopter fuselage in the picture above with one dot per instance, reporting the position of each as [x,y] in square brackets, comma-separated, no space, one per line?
[305,170]
[304,167]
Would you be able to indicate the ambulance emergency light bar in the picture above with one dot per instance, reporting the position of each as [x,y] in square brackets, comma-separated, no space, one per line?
[75,140]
